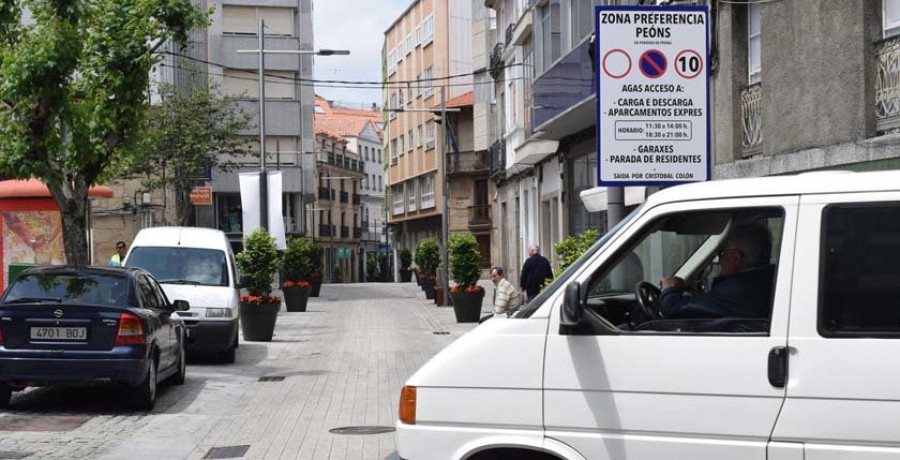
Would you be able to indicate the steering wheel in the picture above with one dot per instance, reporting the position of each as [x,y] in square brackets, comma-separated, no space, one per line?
[647,296]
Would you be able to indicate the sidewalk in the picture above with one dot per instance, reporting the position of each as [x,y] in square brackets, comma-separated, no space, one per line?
[343,362]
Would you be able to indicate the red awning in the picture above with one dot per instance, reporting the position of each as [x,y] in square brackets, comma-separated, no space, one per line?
[34,188]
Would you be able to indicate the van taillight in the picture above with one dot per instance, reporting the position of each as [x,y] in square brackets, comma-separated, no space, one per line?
[408,405]
[131,331]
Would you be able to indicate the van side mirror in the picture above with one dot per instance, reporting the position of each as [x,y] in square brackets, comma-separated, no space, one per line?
[181,305]
[572,311]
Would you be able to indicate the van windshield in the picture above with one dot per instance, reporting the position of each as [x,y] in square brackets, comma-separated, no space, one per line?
[181,265]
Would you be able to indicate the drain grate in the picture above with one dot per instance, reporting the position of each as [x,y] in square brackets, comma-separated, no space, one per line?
[9,455]
[227,452]
[362,430]
[441,333]
[272,378]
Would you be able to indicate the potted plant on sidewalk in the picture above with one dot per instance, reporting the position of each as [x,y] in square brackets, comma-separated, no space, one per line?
[371,270]
[315,274]
[405,262]
[296,265]
[384,268]
[337,275]
[259,309]
[428,258]
[465,269]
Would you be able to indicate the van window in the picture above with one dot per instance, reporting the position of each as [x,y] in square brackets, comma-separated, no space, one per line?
[694,272]
[174,265]
[860,271]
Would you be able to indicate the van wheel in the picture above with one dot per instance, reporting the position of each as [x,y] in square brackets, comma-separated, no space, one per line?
[181,371]
[5,396]
[143,396]
[227,356]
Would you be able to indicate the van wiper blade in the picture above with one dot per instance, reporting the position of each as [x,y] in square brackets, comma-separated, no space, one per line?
[194,283]
[33,300]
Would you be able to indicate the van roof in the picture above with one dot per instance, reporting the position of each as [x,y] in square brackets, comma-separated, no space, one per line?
[191,237]
[808,183]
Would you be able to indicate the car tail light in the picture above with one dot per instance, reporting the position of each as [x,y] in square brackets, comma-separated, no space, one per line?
[131,331]
[1,337]
[408,405]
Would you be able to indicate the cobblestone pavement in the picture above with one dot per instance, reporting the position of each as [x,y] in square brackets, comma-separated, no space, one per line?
[343,362]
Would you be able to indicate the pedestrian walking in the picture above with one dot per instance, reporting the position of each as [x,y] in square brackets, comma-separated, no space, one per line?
[119,256]
[535,272]
[506,296]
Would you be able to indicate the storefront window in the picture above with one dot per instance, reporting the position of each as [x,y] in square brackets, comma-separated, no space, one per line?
[583,176]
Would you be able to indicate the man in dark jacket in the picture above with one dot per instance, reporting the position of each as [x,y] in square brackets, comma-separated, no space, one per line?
[744,288]
[535,272]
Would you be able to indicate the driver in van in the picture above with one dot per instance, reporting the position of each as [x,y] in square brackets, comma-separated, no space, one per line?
[742,290]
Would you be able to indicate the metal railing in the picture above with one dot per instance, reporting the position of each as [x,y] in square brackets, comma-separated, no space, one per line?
[479,215]
[509,33]
[498,159]
[751,119]
[345,231]
[324,193]
[468,162]
[341,161]
[357,232]
[325,230]
[344,197]
[887,84]
[356,198]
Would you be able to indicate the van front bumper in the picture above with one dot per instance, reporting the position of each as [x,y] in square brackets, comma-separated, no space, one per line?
[210,336]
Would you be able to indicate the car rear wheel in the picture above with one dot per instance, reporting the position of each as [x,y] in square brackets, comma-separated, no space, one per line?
[5,395]
[227,356]
[143,396]
[178,377]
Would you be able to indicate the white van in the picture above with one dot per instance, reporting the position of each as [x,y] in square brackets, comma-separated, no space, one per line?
[602,366]
[195,264]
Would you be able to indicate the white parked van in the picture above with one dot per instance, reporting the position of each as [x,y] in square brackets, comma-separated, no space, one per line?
[195,264]
[779,339]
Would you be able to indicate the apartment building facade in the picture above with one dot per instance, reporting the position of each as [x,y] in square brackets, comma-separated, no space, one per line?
[430,42]
[289,104]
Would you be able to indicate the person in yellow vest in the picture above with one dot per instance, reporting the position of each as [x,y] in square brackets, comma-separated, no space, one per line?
[119,256]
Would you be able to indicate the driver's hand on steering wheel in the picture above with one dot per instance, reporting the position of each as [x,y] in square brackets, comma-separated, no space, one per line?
[671,281]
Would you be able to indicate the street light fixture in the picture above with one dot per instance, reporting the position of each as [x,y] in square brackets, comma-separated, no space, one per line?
[262,51]
[445,208]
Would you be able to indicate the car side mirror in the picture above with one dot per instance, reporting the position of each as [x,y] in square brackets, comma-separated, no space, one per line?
[181,305]
[572,311]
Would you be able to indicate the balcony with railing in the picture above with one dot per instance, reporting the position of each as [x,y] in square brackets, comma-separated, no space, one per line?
[326,230]
[341,161]
[324,193]
[751,120]
[468,163]
[498,160]
[509,34]
[345,197]
[345,231]
[356,198]
[480,216]
[357,232]
[887,84]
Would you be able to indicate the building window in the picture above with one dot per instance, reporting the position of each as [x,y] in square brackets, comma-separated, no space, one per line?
[426,188]
[410,141]
[409,45]
[244,20]
[366,153]
[419,136]
[379,155]
[429,134]
[398,196]
[426,81]
[428,30]
[551,33]
[418,35]
[393,151]
[411,195]
[402,145]
[393,115]
[754,42]
[891,17]
[392,61]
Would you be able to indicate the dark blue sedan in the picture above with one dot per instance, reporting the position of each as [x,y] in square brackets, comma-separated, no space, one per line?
[88,326]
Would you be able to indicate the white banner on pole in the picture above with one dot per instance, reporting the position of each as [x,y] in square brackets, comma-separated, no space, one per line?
[249,182]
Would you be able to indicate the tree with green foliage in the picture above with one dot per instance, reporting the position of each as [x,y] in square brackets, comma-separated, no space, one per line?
[296,262]
[465,260]
[188,132]
[259,260]
[428,256]
[571,248]
[74,85]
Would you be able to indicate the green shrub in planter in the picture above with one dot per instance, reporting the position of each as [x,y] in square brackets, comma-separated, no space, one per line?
[571,248]
[428,256]
[371,268]
[405,259]
[259,260]
[297,260]
[465,269]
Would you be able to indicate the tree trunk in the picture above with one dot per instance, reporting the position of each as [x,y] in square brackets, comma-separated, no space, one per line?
[183,207]
[72,199]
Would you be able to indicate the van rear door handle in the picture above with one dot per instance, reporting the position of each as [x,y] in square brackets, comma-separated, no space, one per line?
[778,366]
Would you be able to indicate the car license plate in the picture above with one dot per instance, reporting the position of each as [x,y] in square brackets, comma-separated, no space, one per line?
[59,333]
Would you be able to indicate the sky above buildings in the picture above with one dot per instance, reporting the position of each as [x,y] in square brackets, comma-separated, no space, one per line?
[358,26]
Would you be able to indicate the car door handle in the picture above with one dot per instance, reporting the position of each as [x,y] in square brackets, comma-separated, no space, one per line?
[778,366]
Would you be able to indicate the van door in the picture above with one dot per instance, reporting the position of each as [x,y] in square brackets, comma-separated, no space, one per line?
[843,398]
[685,383]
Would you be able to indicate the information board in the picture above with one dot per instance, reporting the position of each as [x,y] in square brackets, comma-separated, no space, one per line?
[652,95]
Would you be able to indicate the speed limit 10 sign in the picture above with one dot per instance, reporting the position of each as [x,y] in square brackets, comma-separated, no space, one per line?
[652,95]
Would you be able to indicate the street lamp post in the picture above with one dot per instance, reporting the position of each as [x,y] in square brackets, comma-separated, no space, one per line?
[445,217]
[262,51]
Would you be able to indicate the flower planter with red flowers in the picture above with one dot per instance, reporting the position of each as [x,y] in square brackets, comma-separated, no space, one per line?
[315,283]
[258,317]
[467,303]
[296,295]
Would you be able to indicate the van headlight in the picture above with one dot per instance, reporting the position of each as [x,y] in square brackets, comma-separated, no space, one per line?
[218,313]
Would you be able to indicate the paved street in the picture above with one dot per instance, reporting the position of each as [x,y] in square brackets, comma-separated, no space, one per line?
[343,363]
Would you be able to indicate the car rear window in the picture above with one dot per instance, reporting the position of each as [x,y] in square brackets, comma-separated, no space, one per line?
[176,265]
[69,288]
